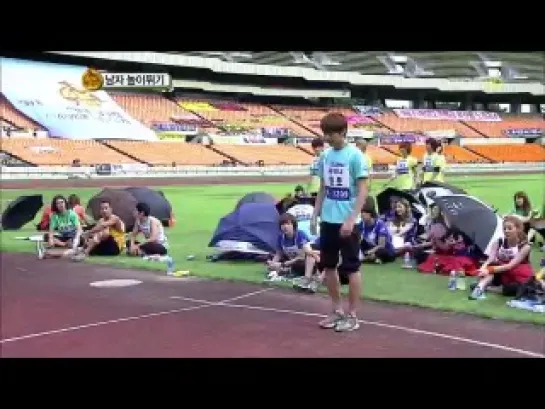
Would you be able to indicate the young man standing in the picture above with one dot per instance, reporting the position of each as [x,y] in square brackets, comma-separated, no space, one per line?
[362,143]
[343,192]
[313,187]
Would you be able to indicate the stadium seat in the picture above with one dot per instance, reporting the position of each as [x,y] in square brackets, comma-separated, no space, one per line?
[453,153]
[58,152]
[269,154]
[498,129]
[11,115]
[167,153]
[229,115]
[529,152]
[392,121]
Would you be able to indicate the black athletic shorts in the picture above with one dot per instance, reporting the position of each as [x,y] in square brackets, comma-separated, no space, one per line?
[107,247]
[150,248]
[332,245]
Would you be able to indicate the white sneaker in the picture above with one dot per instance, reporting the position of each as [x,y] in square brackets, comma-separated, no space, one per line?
[40,250]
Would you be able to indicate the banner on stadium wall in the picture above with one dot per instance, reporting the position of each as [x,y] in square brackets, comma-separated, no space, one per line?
[170,130]
[368,110]
[358,119]
[524,132]
[446,115]
[441,133]
[53,96]
[275,132]
[360,133]
[395,138]
[248,139]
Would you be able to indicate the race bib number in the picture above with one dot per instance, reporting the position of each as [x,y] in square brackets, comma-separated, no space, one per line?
[428,165]
[402,167]
[337,182]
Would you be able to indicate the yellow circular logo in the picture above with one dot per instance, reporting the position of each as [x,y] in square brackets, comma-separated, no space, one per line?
[92,80]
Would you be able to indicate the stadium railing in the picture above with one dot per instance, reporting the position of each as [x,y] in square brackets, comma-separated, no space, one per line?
[60,172]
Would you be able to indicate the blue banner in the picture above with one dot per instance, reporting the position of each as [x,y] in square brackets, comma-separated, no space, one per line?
[53,96]
[525,132]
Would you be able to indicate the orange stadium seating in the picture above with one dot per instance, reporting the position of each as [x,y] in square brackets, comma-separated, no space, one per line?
[58,152]
[511,153]
[392,121]
[453,153]
[270,155]
[13,116]
[167,153]
[310,117]
[149,108]
[231,115]
[496,129]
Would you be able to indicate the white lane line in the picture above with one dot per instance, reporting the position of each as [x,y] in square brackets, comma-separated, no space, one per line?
[376,324]
[206,304]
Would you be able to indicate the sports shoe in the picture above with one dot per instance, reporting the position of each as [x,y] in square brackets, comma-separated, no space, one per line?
[79,256]
[477,294]
[301,283]
[313,286]
[348,323]
[40,250]
[331,320]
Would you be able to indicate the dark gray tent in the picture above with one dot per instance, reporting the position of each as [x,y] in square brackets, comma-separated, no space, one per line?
[256,197]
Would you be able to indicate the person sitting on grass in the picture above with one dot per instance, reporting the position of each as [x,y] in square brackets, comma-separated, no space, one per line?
[508,267]
[64,231]
[74,203]
[294,254]
[402,227]
[150,227]
[376,243]
[106,237]
[522,208]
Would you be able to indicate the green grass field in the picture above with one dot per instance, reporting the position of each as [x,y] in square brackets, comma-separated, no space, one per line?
[198,209]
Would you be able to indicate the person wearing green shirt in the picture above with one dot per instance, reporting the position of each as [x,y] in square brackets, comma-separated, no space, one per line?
[64,229]
[405,170]
[361,143]
[522,209]
[433,163]
[313,185]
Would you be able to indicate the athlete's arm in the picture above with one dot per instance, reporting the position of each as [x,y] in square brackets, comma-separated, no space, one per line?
[361,172]
[523,253]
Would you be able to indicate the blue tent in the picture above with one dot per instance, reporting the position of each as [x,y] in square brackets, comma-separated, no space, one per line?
[253,225]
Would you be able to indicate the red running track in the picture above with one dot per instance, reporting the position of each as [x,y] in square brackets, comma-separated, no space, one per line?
[49,310]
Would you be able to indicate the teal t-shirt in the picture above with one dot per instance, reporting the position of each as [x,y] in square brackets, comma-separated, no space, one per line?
[340,171]
[66,222]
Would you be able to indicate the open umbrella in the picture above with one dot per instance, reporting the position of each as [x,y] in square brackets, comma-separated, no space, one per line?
[538,225]
[428,191]
[122,201]
[384,198]
[21,211]
[472,217]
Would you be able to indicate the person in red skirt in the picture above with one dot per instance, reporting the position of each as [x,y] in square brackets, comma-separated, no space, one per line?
[452,253]
[508,267]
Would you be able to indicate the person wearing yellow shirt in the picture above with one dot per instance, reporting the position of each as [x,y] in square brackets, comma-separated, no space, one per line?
[313,185]
[433,163]
[361,143]
[404,177]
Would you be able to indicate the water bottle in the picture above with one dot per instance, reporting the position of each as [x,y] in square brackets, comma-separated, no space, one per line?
[407,261]
[452,281]
[170,265]
[437,267]
[461,281]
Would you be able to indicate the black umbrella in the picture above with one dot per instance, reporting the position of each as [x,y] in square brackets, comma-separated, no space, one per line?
[428,191]
[538,225]
[473,218]
[256,197]
[384,198]
[122,201]
[158,203]
[21,211]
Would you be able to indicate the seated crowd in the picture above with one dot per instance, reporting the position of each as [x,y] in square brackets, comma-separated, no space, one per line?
[72,233]
[432,247]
